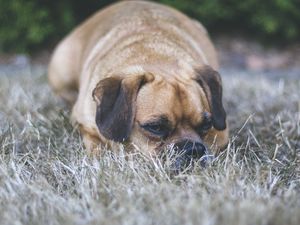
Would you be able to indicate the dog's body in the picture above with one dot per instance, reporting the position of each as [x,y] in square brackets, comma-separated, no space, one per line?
[144,73]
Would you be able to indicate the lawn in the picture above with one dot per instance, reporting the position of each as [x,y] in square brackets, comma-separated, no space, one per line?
[46,176]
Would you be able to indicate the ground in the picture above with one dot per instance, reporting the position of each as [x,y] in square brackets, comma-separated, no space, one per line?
[47,178]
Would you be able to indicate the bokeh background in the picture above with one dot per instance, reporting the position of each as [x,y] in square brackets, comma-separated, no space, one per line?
[28,26]
[249,34]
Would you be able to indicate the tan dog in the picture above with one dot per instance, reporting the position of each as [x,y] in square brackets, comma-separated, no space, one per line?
[144,74]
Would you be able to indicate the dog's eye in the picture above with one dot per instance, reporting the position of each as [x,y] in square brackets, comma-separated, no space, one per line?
[156,129]
[205,125]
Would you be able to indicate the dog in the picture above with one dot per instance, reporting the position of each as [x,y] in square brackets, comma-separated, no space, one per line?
[145,75]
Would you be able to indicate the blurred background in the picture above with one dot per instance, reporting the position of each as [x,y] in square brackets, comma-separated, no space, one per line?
[252,34]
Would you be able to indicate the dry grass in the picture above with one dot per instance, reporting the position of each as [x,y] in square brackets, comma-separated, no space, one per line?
[46,177]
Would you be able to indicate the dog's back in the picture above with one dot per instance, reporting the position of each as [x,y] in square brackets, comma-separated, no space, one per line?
[107,33]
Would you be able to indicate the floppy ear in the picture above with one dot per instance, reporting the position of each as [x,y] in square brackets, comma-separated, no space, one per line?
[211,82]
[116,98]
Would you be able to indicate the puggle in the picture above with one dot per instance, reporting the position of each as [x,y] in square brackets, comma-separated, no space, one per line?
[143,74]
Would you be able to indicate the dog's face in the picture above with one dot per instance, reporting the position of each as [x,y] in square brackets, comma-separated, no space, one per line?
[155,113]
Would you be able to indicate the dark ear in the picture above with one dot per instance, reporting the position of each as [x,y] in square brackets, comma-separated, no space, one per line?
[115,98]
[211,82]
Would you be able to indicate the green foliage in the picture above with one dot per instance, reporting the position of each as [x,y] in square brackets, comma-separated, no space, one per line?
[25,24]
[29,25]
[270,20]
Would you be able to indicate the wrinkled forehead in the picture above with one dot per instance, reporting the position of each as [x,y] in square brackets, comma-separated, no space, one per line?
[176,100]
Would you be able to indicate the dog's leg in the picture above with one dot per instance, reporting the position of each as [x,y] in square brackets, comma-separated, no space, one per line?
[91,144]
[91,140]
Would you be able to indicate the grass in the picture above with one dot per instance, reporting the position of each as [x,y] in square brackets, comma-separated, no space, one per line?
[47,178]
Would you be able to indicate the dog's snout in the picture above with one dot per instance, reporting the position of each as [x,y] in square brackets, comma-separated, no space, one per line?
[191,149]
[187,153]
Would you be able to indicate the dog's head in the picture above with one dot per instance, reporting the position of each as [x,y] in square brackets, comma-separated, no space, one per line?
[155,113]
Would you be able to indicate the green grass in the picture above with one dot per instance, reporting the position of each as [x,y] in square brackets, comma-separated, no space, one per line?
[47,178]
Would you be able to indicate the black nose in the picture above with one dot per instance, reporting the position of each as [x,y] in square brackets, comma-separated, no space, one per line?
[187,153]
[190,149]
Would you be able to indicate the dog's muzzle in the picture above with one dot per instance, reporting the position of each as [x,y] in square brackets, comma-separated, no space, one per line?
[187,153]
